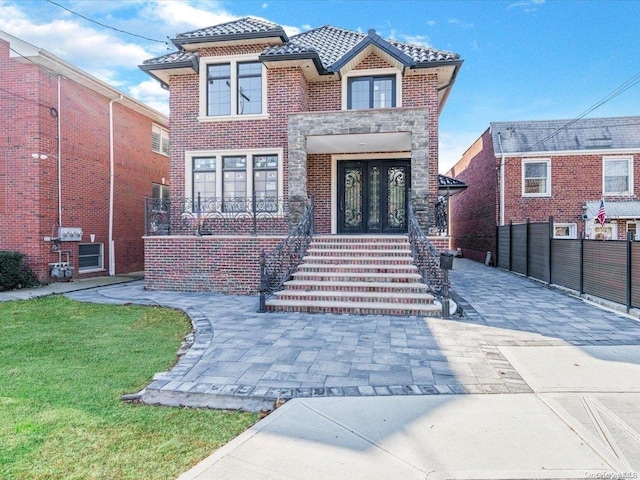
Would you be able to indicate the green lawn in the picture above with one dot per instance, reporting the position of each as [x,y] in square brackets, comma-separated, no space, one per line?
[64,366]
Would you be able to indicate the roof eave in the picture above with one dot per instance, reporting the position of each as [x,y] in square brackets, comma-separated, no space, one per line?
[313,56]
[446,89]
[151,69]
[232,37]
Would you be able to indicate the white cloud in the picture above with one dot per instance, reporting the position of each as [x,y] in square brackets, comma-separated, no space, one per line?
[527,5]
[431,23]
[151,93]
[459,23]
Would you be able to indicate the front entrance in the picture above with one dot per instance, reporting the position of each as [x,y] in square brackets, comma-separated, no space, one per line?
[373,196]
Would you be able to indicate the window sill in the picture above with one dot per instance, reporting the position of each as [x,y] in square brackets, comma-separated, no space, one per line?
[233,118]
[536,195]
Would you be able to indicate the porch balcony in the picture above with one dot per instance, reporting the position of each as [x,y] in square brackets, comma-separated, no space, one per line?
[217,216]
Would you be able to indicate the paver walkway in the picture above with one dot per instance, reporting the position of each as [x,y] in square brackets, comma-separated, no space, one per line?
[243,359]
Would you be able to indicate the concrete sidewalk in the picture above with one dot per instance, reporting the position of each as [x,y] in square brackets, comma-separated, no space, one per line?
[63,287]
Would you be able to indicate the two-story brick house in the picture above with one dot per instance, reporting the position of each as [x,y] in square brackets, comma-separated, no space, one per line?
[346,117]
[531,170]
[77,158]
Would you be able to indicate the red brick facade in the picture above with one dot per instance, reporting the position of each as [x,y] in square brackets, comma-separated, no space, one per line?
[230,264]
[575,178]
[473,212]
[29,186]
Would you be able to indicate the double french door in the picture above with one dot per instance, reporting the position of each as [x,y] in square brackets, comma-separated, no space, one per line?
[373,196]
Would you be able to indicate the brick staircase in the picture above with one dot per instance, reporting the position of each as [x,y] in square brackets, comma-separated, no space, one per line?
[357,275]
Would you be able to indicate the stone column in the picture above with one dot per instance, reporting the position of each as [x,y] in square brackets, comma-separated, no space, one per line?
[297,171]
[420,176]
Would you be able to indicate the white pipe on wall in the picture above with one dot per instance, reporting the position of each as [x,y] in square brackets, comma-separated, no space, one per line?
[112,253]
[59,152]
[501,180]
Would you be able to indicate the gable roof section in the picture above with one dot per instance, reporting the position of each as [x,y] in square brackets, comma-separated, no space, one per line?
[328,48]
[335,47]
[552,136]
[244,29]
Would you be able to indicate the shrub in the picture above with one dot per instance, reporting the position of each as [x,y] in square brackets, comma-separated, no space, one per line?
[14,272]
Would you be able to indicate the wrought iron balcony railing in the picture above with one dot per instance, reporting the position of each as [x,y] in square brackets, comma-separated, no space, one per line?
[216,215]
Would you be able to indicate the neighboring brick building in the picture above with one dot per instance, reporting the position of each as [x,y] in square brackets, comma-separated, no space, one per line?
[76,162]
[347,117]
[559,168]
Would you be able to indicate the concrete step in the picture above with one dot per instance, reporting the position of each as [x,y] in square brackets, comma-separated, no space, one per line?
[357,260]
[358,252]
[357,297]
[356,239]
[361,246]
[349,286]
[357,268]
[354,308]
[331,276]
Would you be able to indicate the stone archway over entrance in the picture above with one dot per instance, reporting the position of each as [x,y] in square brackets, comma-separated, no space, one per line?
[365,131]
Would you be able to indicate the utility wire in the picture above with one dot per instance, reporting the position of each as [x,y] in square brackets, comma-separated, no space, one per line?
[634,80]
[106,26]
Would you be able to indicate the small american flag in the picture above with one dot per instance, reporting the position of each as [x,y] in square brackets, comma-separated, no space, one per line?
[602,214]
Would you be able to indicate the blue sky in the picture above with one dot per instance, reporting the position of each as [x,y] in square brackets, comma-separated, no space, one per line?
[523,59]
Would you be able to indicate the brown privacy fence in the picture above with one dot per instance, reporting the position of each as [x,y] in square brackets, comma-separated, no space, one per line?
[607,269]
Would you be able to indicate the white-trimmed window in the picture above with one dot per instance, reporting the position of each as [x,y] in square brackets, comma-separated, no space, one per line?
[376,88]
[232,87]
[536,177]
[159,139]
[617,175]
[565,230]
[234,176]
[90,257]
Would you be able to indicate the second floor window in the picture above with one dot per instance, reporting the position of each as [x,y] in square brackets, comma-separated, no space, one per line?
[234,88]
[159,139]
[536,178]
[617,176]
[371,92]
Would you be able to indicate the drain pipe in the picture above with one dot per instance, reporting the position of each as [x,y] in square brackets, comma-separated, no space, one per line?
[59,154]
[501,180]
[112,253]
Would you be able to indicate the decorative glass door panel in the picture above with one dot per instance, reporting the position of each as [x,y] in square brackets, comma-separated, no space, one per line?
[372,196]
[396,197]
[353,198]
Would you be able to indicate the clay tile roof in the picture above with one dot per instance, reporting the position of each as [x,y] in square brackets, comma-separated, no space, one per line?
[421,54]
[330,47]
[241,27]
[178,57]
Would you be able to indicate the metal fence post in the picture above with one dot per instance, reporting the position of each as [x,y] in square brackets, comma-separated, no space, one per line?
[526,248]
[510,243]
[629,241]
[550,249]
[263,283]
[582,264]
